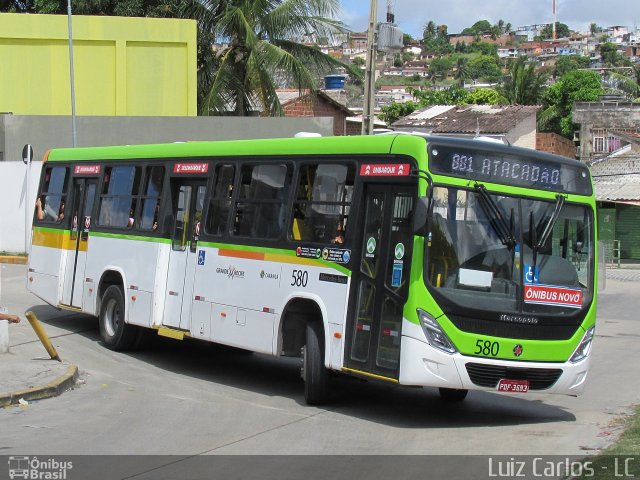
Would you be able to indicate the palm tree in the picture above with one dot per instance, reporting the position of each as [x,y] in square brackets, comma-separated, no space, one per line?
[523,85]
[462,70]
[261,53]
[429,29]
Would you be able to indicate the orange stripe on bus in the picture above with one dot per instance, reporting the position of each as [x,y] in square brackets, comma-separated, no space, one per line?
[241,254]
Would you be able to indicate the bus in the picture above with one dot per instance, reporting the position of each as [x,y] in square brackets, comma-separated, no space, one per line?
[421,261]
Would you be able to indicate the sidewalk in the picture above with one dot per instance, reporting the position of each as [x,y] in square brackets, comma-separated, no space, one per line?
[26,371]
[626,273]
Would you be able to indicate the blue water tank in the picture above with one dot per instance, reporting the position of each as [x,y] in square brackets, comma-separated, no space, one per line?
[334,82]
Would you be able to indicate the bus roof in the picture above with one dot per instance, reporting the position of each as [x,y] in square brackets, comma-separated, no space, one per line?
[274,146]
[357,144]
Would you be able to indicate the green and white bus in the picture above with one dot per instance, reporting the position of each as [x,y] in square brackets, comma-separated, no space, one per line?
[413,260]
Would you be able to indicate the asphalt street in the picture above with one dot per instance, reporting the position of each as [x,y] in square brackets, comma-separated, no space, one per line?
[189,398]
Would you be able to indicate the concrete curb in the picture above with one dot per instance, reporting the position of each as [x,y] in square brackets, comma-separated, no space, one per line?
[15,259]
[51,389]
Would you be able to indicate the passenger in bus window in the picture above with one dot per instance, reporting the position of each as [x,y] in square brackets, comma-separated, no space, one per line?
[156,214]
[132,215]
[61,212]
[39,211]
[339,238]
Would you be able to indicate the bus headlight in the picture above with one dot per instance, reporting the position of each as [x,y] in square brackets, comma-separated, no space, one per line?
[585,346]
[434,333]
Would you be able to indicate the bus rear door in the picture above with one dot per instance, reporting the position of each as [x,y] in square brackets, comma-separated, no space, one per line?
[188,204]
[82,200]
[380,281]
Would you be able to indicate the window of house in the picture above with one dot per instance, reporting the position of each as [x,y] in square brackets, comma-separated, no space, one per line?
[220,203]
[261,201]
[50,204]
[321,208]
[118,200]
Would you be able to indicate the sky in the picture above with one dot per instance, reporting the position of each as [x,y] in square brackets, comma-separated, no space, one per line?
[412,15]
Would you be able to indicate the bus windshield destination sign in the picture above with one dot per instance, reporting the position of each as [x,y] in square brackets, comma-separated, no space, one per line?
[509,170]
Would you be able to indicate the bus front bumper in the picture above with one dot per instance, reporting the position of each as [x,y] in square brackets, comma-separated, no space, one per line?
[424,365]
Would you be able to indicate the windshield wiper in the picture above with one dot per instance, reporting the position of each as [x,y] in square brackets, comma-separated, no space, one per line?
[497,221]
[551,223]
[537,244]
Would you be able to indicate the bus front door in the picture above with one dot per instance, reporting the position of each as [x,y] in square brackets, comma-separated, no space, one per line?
[380,282]
[82,200]
[188,204]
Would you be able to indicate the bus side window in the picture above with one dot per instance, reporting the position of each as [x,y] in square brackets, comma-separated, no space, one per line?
[321,208]
[152,194]
[261,205]
[119,196]
[50,204]
[220,203]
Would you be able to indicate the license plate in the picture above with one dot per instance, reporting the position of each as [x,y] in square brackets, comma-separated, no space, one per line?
[513,386]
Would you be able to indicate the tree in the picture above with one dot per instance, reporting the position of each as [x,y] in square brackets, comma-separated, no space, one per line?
[626,83]
[260,55]
[484,67]
[558,100]
[439,68]
[484,48]
[462,70]
[406,39]
[562,30]
[396,111]
[450,96]
[478,28]
[610,55]
[486,96]
[568,63]
[429,32]
[523,85]
[408,57]
[358,61]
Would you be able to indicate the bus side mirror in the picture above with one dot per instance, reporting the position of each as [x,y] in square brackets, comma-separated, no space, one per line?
[421,216]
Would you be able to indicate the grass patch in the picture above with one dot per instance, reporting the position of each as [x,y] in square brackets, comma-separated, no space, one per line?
[4,253]
[622,459]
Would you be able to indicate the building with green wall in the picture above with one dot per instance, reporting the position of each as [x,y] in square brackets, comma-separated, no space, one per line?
[123,66]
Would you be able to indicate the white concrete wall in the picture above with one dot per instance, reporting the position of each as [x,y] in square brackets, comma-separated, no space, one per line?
[13,188]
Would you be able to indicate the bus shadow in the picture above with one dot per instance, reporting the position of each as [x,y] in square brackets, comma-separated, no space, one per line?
[280,377]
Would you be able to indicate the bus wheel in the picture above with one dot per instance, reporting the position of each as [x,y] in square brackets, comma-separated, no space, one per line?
[115,334]
[453,394]
[315,375]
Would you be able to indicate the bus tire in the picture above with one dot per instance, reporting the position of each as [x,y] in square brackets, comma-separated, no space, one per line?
[453,394]
[115,333]
[316,376]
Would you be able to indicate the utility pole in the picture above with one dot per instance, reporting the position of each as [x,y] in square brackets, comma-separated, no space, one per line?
[73,91]
[370,72]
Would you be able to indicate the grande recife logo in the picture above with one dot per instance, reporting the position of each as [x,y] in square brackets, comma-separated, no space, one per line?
[552,295]
[191,168]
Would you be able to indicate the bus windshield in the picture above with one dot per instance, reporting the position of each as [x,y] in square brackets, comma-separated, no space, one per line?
[508,254]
